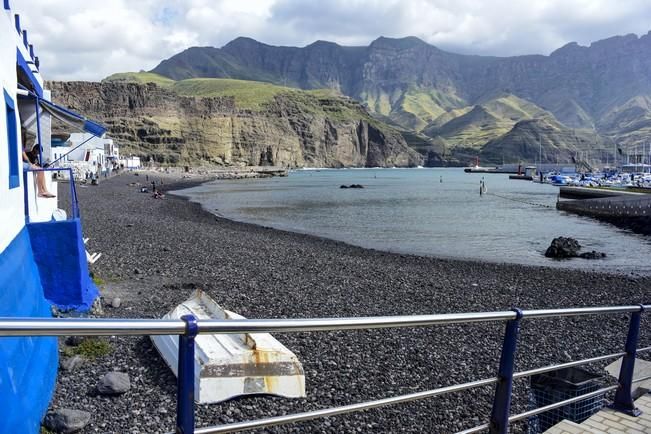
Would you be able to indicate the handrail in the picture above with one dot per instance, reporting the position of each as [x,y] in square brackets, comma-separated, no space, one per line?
[14,326]
[74,203]
[315,414]
[188,327]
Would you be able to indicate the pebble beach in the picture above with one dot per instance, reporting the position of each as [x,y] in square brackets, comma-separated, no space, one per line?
[155,252]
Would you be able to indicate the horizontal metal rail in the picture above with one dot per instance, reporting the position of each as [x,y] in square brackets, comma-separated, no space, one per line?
[89,327]
[563,403]
[550,368]
[553,313]
[108,327]
[543,409]
[539,410]
[316,414]
[310,415]
[559,404]
[188,327]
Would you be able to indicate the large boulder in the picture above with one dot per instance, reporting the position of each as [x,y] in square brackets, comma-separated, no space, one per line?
[562,248]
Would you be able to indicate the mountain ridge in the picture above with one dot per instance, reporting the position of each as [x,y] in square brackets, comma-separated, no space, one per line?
[412,82]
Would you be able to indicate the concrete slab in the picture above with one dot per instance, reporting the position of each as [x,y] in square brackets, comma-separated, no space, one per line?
[642,369]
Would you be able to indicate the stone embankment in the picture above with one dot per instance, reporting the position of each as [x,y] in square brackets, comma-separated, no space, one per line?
[627,211]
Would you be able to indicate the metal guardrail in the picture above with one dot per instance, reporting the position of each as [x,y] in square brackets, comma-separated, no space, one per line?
[74,203]
[188,327]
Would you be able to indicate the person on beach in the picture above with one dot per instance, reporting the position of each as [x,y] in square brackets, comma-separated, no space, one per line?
[28,147]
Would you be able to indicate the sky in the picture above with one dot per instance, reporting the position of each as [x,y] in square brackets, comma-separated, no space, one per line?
[91,39]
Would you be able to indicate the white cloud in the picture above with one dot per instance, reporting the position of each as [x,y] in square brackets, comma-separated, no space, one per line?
[90,39]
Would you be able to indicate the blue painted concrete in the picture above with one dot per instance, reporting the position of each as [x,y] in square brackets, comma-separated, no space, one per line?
[22,64]
[61,258]
[28,366]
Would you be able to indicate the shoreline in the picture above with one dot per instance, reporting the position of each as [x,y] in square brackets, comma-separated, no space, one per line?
[155,252]
[176,190]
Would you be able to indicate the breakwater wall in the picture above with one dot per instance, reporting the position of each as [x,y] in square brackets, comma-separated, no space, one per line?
[568,192]
[632,212]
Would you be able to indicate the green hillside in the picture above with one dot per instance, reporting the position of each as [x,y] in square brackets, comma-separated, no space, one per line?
[248,94]
[492,117]
[532,137]
[251,95]
[141,77]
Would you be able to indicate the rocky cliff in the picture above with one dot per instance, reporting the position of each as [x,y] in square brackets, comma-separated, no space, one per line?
[292,129]
[603,88]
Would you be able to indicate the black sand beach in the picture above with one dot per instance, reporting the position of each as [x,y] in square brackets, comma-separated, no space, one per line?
[155,252]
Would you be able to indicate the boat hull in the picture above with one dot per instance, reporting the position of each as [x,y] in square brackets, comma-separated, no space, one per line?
[231,365]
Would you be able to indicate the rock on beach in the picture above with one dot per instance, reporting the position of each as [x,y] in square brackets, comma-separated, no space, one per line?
[66,420]
[114,383]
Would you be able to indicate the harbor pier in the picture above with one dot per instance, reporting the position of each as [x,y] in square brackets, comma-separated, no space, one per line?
[628,211]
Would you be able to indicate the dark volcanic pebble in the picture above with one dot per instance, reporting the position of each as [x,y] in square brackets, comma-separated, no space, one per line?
[264,273]
[66,420]
[71,363]
[114,383]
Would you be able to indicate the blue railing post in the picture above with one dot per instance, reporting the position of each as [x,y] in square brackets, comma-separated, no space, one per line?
[623,397]
[499,423]
[74,203]
[185,380]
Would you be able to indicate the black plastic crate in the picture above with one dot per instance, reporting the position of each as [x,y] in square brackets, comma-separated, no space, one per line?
[555,386]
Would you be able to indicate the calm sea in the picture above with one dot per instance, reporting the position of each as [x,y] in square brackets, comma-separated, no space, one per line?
[434,212]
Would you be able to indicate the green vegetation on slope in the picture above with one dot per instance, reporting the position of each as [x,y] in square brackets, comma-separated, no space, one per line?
[141,77]
[491,118]
[427,104]
[248,95]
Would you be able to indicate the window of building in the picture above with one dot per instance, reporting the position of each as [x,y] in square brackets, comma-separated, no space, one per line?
[12,141]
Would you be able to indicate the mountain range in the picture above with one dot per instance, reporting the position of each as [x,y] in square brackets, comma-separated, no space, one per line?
[579,101]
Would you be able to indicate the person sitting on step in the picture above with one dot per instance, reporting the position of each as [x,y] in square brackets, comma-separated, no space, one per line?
[28,164]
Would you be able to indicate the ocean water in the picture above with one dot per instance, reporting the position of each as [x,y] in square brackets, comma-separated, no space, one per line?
[432,212]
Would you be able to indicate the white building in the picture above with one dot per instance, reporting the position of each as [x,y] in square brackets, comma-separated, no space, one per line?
[86,154]
[131,163]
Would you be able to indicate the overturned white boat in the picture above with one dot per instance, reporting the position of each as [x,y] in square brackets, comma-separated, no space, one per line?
[230,365]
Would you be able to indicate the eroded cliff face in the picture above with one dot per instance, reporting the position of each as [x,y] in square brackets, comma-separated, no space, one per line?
[293,130]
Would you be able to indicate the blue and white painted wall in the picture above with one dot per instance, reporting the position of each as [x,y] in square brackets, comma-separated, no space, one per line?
[36,262]
[11,172]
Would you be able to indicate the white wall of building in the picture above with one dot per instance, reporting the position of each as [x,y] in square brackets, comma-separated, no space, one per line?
[12,213]
[131,162]
[96,150]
